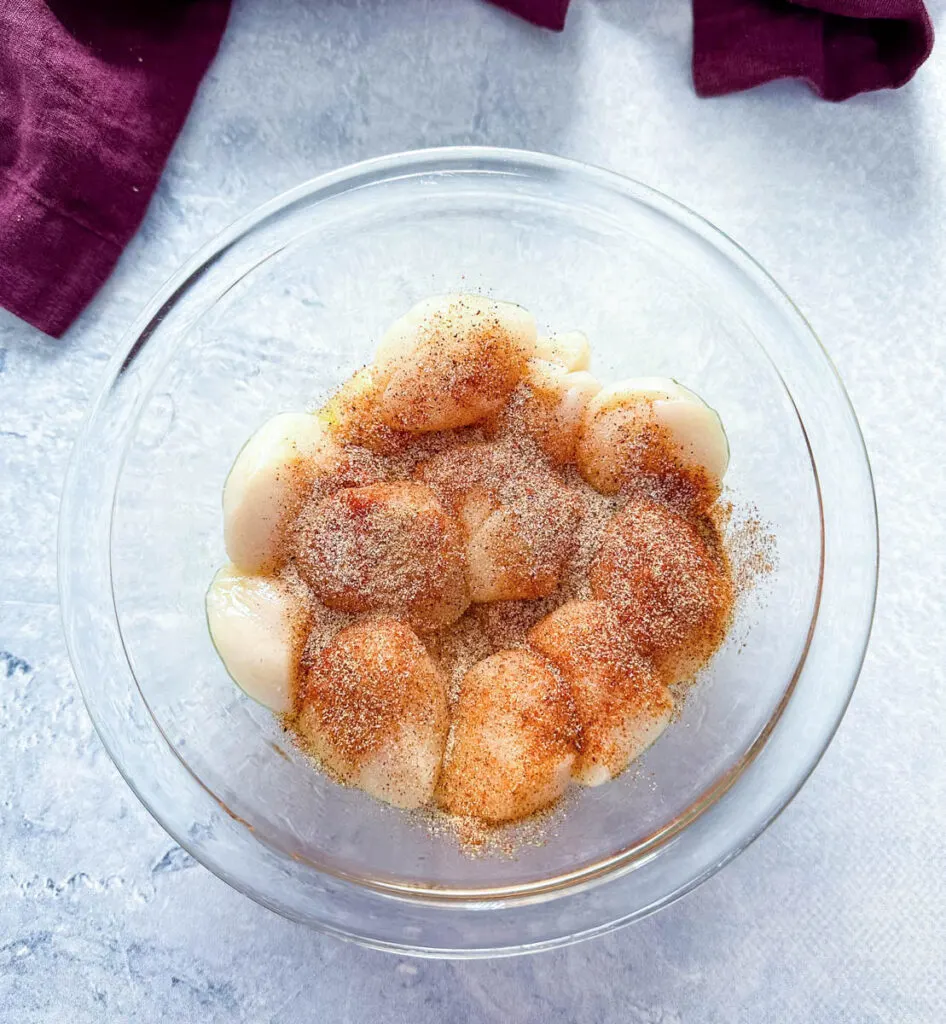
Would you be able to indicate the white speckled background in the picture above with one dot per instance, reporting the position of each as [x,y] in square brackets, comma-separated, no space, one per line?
[838,913]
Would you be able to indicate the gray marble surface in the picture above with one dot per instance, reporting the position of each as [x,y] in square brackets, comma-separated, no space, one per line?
[838,913]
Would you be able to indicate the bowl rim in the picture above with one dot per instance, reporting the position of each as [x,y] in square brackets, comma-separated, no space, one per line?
[461,157]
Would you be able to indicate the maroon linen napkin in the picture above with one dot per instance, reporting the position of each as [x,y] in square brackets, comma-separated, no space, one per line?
[840,47]
[92,95]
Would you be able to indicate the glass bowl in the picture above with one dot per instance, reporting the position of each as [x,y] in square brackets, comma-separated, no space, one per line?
[284,306]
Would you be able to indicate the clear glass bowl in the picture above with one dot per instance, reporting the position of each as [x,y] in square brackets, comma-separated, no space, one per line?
[280,309]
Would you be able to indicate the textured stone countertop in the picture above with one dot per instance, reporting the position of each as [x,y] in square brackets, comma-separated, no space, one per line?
[838,913]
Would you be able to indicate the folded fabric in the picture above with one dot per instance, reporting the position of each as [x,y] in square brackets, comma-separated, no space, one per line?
[92,95]
[840,47]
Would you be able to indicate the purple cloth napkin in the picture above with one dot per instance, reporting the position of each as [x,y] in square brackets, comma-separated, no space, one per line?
[92,96]
[840,47]
[94,92]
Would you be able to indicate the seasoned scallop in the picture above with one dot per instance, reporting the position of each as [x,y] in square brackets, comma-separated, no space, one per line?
[272,476]
[578,633]
[352,415]
[652,427]
[258,625]
[669,584]
[549,405]
[513,740]
[388,547]
[518,517]
[622,705]
[451,361]
[372,707]
[569,349]
[519,552]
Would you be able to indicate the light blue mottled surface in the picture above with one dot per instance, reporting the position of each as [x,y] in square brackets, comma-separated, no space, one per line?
[838,914]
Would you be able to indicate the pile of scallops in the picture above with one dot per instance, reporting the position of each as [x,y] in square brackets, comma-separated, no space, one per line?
[475,473]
